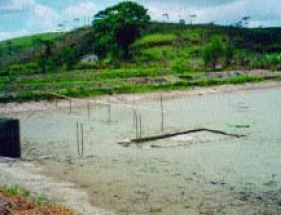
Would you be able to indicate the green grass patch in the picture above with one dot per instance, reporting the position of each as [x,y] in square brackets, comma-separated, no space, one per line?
[29,40]
[18,191]
[14,190]
[155,39]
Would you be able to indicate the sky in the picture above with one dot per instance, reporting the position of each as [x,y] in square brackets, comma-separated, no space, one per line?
[25,17]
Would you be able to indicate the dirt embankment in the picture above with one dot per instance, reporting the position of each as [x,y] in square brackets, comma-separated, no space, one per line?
[268,75]
[19,205]
[14,107]
[28,176]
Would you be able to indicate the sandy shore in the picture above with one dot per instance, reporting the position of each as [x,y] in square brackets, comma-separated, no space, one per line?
[7,108]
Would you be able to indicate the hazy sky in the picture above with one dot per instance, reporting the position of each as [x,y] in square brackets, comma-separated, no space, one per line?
[22,17]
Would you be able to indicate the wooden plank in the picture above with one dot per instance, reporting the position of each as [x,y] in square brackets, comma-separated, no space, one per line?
[169,135]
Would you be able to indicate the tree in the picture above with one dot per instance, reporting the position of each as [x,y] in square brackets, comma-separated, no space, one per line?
[213,51]
[228,54]
[182,22]
[119,26]
[43,58]
[68,56]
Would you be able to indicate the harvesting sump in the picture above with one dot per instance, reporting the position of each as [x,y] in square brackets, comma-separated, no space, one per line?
[188,137]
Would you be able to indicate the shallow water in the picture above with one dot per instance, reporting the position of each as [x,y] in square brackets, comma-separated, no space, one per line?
[146,179]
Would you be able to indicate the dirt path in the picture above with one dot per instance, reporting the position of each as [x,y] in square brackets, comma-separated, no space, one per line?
[27,175]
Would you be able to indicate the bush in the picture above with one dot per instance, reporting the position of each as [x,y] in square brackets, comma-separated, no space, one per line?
[213,51]
[180,66]
[16,69]
[242,58]
[272,61]
[255,63]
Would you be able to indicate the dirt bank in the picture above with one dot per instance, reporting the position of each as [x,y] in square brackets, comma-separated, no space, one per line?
[6,108]
[27,175]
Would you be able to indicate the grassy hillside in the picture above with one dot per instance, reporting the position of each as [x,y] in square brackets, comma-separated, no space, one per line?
[168,56]
[27,41]
[23,48]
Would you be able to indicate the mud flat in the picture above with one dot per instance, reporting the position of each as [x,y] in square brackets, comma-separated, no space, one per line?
[191,174]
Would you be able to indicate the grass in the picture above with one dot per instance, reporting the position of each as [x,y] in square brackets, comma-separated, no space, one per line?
[17,191]
[155,39]
[21,201]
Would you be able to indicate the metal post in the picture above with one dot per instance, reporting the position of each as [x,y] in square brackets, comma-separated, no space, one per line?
[109,110]
[82,139]
[88,108]
[77,138]
[134,117]
[162,113]
[137,130]
[140,121]
[70,106]
[109,113]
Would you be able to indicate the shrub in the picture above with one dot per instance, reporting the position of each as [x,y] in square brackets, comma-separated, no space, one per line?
[180,66]
[272,61]
[213,51]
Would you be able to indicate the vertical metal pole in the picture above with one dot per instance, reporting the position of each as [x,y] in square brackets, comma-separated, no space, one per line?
[88,108]
[134,117]
[109,110]
[82,139]
[109,113]
[140,121]
[77,138]
[70,106]
[162,113]
[137,130]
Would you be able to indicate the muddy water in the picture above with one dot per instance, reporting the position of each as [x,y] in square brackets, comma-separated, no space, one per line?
[214,176]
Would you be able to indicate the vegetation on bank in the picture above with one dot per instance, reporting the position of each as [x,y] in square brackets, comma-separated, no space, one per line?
[151,56]
[17,200]
[86,85]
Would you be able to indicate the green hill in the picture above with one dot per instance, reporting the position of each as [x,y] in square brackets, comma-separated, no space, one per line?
[167,56]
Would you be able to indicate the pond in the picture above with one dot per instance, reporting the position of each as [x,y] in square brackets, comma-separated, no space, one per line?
[212,174]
